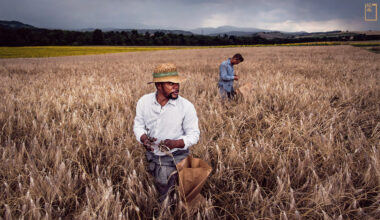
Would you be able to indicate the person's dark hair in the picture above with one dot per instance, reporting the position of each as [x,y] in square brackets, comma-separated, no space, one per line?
[157,84]
[239,57]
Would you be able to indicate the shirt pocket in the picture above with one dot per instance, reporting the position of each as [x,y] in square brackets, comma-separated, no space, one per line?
[151,119]
[173,123]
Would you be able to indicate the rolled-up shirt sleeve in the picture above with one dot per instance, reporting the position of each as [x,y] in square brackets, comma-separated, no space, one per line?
[139,123]
[224,73]
[190,127]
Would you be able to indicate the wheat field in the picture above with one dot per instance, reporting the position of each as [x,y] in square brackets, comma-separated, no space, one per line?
[303,145]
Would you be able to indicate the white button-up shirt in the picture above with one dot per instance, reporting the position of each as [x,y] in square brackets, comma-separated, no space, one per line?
[175,120]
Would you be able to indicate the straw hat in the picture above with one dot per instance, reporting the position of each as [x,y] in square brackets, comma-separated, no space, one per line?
[166,72]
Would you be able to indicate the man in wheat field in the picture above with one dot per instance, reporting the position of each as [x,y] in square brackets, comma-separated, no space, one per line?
[166,124]
[227,76]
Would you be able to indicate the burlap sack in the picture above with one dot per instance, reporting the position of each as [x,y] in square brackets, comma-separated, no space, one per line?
[245,90]
[192,175]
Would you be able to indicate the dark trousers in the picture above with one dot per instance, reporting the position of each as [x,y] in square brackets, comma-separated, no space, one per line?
[164,170]
[231,94]
[224,94]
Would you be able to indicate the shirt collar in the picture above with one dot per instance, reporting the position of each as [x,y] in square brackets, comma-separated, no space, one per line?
[229,61]
[171,101]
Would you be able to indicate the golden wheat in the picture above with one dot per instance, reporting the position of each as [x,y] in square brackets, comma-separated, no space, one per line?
[305,144]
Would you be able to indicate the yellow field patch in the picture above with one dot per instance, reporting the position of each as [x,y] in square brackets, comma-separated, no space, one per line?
[57,51]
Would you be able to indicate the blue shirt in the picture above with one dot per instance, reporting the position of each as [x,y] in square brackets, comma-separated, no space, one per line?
[226,75]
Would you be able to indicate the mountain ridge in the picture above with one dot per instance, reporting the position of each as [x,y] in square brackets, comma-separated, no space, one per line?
[225,29]
[14,24]
[206,31]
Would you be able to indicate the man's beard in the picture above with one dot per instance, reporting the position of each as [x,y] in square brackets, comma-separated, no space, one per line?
[170,96]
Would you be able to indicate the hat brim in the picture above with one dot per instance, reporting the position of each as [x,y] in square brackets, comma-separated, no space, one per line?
[173,79]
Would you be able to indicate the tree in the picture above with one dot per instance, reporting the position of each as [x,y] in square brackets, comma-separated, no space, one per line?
[98,37]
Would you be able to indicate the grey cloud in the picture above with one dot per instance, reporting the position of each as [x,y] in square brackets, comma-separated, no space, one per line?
[184,14]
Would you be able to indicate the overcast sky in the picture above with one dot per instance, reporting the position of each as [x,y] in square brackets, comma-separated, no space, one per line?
[283,15]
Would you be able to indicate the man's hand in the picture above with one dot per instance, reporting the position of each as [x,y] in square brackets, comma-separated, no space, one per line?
[147,141]
[174,143]
[236,77]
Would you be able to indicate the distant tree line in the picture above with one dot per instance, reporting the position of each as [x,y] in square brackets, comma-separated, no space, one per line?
[43,37]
